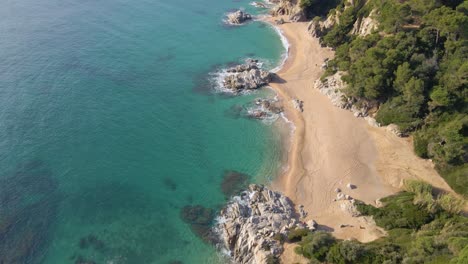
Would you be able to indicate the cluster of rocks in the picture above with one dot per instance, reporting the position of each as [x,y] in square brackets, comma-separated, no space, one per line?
[246,76]
[238,17]
[298,104]
[347,203]
[333,87]
[265,107]
[247,226]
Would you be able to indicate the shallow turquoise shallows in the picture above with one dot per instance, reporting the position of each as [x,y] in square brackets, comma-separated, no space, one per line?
[109,126]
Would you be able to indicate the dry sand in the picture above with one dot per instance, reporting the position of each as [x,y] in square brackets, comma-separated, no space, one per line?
[331,148]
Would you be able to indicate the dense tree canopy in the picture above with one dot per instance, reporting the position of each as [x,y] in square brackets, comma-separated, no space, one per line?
[415,68]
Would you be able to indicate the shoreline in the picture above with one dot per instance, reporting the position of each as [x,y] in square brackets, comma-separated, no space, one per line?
[330,148]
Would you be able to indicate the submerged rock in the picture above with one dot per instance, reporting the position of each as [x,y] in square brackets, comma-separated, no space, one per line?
[200,220]
[197,214]
[247,226]
[233,182]
[238,17]
[269,105]
[264,109]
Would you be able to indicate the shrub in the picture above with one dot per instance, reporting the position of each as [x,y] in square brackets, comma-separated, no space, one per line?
[417,186]
[296,235]
[462,257]
[347,252]
[420,145]
[450,203]
[457,244]
[315,245]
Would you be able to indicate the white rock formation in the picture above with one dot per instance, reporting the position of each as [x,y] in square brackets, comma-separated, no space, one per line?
[248,224]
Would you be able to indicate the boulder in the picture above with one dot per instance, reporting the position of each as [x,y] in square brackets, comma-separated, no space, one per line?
[279,21]
[395,130]
[312,225]
[238,17]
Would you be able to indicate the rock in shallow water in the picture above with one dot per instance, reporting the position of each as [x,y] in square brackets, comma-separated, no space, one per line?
[248,224]
[238,17]
[233,182]
[246,76]
[200,219]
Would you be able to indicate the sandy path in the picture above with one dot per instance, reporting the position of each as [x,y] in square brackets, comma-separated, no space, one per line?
[331,148]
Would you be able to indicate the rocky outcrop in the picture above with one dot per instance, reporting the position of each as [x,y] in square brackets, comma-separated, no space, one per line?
[365,25]
[270,105]
[332,87]
[246,76]
[318,28]
[283,8]
[265,109]
[247,226]
[298,15]
[238,17]
[291,9]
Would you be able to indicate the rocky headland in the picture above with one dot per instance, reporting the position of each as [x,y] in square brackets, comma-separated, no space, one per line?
[250,225]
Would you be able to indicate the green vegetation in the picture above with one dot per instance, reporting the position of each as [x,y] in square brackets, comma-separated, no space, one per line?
[421,229]
[317,7]
[415,69]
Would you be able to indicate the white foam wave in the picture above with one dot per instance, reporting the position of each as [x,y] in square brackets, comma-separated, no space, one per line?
[286,45]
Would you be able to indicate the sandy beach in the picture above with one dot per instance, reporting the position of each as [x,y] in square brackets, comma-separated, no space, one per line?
[331,148]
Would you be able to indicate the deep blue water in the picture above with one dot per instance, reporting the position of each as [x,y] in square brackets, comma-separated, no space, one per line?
[109,126]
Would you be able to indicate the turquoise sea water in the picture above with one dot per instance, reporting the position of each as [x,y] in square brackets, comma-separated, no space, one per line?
[109,126]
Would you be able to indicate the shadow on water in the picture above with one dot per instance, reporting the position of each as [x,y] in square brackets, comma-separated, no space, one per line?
[28,204]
